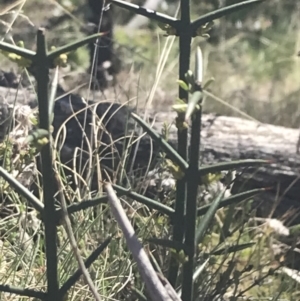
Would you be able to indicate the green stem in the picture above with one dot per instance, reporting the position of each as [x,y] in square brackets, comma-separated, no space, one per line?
[191,208]
[22,291]
[182,134]
[47,169]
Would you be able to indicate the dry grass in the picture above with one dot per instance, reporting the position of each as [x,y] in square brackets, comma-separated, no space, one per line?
[242,79]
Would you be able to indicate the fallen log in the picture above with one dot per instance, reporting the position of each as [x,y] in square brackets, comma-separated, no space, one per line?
[230,138]
[224,139]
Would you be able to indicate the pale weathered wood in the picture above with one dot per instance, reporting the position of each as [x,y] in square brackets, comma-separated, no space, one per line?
[19,96]
[229,138]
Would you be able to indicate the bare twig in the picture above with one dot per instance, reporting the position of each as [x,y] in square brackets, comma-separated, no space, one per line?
[156,288]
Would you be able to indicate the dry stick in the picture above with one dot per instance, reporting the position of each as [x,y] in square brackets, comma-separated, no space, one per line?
[73,243]
[155,287]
